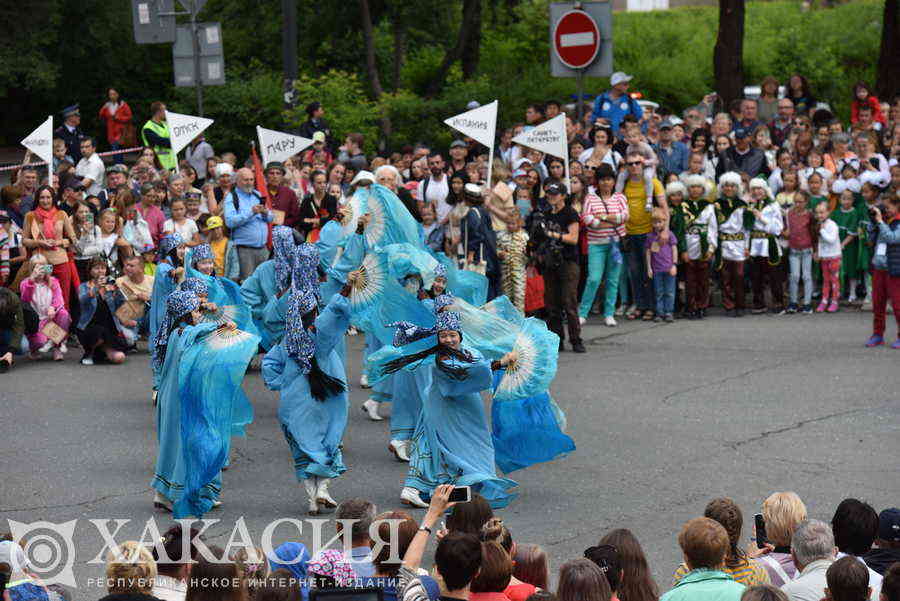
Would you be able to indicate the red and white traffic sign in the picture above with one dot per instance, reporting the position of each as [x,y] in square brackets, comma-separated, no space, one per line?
[576,39]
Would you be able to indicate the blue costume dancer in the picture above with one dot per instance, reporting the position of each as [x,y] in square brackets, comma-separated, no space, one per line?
[452,443]
[308,371]
[171,254]
[201,264]
[201,364]
[267,282]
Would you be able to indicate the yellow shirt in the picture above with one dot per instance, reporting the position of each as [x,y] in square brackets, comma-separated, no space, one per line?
[638,215]
[218,248]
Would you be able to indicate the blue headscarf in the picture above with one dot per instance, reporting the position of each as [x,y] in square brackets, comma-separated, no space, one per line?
[447,320]
[169,243]
[178,304]
[195,285]
[298,342]
[440,271]
[294,558]
[283,247]
[202,252]
[408,332]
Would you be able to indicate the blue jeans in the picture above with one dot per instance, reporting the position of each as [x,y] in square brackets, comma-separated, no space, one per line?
[637,272]
[664,287]
[602,259]
[800,262]
[117,158]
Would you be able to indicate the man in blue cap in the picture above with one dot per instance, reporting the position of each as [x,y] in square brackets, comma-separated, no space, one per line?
[70,133]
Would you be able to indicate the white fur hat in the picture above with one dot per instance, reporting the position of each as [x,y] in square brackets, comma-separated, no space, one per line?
[840,185]
[732,177]
[673,187]
[758,182]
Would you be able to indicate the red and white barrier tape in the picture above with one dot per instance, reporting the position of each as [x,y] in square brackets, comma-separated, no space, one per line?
[102,154]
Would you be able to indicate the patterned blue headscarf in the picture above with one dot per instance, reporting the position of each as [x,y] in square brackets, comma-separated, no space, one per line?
[195,285]
[408,332]
[178,304]
[441,301]
[169,242]
[202,252]
[298,342]
[440,271]
[447,320]
[283,247]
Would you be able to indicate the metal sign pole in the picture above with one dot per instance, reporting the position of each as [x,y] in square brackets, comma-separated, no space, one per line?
[579,106]
[195,38]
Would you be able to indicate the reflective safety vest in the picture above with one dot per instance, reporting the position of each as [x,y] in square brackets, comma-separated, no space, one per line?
[166,156]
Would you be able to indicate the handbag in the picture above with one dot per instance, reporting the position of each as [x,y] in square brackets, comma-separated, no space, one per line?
[534,290]
[55,333]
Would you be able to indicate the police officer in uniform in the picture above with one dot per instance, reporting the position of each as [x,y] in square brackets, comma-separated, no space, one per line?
[155,134]
[70,133]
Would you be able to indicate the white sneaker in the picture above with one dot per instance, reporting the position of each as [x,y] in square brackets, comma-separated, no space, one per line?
[620,310]
[371,407]
[63,348]
[364,381]
[410,496]
[582,320]
[610,321]
[399,449]
[322,496]
[312,491]
[160,502]
[46,348]
[89,361]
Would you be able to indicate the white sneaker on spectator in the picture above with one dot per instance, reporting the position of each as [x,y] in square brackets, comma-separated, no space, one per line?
[582,320]
[89,361]
[364,381]
[410,496]
[610,321]
[46,347]
[371,407]
[63,348]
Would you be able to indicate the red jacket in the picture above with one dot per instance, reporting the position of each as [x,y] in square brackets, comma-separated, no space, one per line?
[877,115]
[285,200]
[115,123]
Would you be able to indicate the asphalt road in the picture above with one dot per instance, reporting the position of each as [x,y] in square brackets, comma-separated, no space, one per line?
[665,417]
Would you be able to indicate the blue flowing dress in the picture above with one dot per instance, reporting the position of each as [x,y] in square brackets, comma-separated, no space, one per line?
[313,429]
[163,285]
[257,291]
[452,443]
[203,366]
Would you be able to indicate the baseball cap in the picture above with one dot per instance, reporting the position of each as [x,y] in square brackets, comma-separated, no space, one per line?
[473,190]
[458,144]
[363,177]
[71,110]
[275,165]
[319,136]
[519,173]
[619,77]
[117,168]
[555,189]
[214,222]
[224,169]
[741,132]
[666,124]
[889,525]
[473,104]
[73,183]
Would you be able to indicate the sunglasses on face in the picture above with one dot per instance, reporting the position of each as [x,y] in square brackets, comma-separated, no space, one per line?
[634,163]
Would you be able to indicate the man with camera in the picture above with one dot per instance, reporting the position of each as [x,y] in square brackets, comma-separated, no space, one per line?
[556,236]
[884,231]
[135,288]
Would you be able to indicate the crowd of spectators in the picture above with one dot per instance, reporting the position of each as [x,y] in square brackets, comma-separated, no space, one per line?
[853,557]
[659,214]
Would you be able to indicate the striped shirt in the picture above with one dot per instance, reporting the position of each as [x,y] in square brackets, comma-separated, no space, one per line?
[616,209]
[749,573]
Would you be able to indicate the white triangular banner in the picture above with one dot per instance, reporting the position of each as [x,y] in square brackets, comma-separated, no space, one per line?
[479,124]
[549,137]
[278,145]
[184,128]
[40,141]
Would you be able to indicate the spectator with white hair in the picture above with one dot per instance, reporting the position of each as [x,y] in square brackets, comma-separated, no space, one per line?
[782,512]
[217,190]
[389,177]
[246,216]
[813,551]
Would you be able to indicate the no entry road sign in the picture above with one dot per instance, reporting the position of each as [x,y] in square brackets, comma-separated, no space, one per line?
[576,39]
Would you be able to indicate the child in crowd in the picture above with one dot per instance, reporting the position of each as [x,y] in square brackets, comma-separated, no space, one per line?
[192,204]
[791,183]
[817,191]
[700,243]
[765,252]
[734,242]
[180,224]
[434,232]
[41,291]
[12,253]
[815,164]
[226,259]
[511,245]
[662,261]
[636,144]
[828,256]
[523,201]
[801,235]
[59,154]
[148,258]
[846,216]
[884,233]
[675,193]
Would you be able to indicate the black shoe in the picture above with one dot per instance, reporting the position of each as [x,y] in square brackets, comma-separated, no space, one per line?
[4,366]
[702,313]
[562,346]
[578,347]
[738,312]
